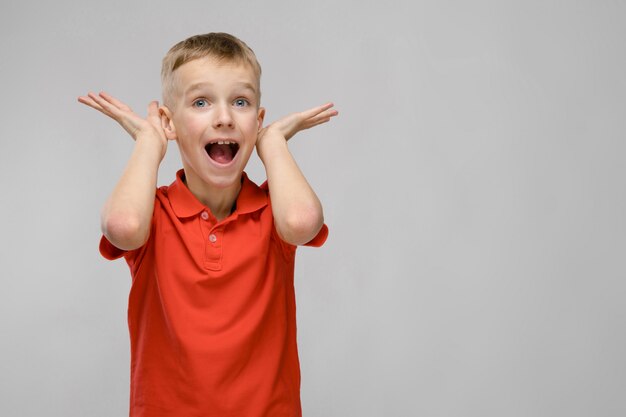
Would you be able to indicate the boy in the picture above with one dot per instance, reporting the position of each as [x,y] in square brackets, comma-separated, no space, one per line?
[211,309]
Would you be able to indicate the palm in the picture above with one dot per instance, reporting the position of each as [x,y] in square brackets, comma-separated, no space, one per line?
[125,116]
[296,122]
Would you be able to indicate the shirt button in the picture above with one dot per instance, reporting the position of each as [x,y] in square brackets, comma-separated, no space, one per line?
[204,215]
[212,238]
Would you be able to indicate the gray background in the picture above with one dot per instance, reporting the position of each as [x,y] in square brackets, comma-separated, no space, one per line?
[473,184]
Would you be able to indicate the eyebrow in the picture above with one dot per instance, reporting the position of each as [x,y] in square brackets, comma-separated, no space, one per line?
[198,86]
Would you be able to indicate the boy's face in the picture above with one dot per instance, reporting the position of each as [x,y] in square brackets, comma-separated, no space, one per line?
[215,120]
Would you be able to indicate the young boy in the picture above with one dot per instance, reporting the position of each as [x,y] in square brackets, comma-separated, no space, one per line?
[211,309]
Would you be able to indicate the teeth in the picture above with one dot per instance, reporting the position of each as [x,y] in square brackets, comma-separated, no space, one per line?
[223,142]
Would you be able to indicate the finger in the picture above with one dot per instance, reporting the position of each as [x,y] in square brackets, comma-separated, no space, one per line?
[321,118]
[107,108]
[323,107]
[316,110]
[328,113]
[89,101]
[114,101]
[317,122]
[154,116]
[86,100]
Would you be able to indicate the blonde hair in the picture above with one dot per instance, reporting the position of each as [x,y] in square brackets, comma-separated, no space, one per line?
[219,45]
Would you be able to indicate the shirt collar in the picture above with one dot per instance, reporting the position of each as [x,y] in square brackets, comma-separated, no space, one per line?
[250,199]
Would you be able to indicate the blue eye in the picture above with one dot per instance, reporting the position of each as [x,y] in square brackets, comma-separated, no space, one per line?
[200,103]
[241,102]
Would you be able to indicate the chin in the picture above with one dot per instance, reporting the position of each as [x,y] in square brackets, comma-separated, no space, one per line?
[225,180]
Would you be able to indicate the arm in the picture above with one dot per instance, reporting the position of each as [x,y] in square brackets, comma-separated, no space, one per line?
[127,214]
[297,211]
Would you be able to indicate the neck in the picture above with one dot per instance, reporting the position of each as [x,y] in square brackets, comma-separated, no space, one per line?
[219,200]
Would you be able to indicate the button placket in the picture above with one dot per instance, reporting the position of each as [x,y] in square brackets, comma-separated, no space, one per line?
[213,253]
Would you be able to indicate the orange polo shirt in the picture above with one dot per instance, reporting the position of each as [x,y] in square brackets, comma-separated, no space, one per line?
[211,310]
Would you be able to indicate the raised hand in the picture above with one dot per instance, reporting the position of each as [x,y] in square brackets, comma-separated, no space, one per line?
[297,210]
[135,125]
[295,122]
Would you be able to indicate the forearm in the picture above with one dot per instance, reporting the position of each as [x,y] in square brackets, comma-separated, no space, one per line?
[127,214]
[296,208]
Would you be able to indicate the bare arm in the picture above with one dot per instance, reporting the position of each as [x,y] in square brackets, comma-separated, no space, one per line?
[297,211]
[127,213]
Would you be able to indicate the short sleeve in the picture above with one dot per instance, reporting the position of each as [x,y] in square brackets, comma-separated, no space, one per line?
[109,251]
[319,239]
[289,250]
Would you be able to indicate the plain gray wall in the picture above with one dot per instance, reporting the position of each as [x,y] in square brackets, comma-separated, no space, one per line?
[474,185]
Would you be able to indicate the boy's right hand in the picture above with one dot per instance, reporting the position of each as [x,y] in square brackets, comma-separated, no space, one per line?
[149,128]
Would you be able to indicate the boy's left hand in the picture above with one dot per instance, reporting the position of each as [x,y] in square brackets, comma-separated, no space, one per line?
[295,122]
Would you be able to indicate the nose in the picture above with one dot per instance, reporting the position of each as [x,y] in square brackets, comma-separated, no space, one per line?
[223,117]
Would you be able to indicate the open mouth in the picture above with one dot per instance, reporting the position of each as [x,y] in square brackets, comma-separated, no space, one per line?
[222,151]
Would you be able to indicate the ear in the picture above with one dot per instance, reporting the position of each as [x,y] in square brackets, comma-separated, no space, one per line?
[167,123]
[261,116]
